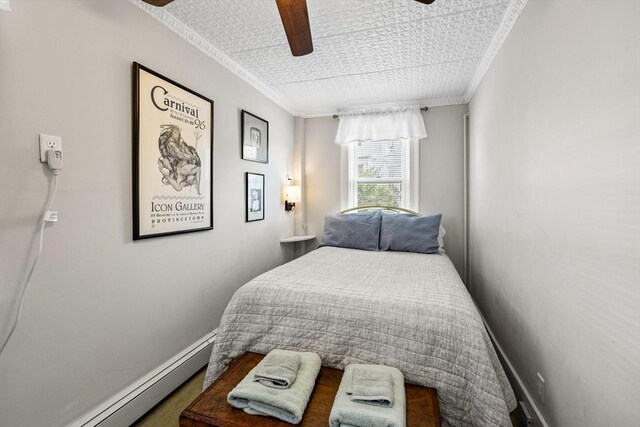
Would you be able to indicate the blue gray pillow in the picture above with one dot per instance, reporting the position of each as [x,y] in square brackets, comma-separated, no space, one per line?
[408,233]
[356,230]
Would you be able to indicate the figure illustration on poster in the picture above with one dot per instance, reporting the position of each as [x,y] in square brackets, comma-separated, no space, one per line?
[179,162]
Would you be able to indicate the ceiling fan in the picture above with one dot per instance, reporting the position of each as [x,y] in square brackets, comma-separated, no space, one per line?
[295,20]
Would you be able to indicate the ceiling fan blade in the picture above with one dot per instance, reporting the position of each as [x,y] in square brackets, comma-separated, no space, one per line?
[158,3]
[425,1]
[295,20]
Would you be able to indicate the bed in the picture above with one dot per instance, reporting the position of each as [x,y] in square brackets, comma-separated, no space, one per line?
[402,309]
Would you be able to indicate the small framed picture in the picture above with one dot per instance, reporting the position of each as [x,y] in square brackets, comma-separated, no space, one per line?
[255,138]
[254,195]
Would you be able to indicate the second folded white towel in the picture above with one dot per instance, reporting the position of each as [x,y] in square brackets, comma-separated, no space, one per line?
[348,412]
[371,386]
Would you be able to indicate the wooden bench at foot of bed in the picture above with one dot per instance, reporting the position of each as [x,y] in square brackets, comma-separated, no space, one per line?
[211,407]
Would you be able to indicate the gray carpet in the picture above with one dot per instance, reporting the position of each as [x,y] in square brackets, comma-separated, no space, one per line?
[167,412]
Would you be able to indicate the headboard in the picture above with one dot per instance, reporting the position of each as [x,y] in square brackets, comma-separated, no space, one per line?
[383,208]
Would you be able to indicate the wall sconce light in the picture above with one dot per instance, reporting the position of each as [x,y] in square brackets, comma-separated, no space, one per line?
[291,195]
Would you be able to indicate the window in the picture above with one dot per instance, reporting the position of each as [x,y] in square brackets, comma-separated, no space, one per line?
[379,173]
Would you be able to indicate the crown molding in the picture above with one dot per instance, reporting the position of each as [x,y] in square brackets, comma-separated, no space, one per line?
[436,102]
[508,20]
[191,37]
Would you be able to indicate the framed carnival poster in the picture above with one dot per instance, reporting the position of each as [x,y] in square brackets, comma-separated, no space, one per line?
[254,195]
[172,157]
[255,137]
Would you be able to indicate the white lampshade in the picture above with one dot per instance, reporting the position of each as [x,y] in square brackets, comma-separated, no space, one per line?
[292,194]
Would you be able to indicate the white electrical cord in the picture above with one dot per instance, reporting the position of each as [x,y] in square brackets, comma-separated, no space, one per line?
[52,196]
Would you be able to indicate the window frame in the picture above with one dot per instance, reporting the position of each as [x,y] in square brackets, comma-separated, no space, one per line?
[409,180]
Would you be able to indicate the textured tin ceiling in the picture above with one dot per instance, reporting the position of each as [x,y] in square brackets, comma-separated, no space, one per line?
[366,52]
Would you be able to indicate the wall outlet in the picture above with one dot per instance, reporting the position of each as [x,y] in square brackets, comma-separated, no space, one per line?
[48,142]
[51,216]
[540,387]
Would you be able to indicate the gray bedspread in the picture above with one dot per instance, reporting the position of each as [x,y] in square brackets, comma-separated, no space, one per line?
[406,310]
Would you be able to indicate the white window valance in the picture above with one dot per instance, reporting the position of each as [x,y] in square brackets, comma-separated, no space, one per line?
[381,126]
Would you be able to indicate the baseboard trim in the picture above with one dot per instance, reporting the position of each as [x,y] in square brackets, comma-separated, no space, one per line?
[134,401]
[514,374]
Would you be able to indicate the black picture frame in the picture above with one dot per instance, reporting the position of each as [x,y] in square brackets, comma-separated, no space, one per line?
[160,207]
[254,196]
[254,137]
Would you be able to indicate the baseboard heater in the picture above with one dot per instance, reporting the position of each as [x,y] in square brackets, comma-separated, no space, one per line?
[134,401]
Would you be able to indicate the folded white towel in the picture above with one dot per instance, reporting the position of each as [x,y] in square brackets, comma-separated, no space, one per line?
[371,386]
[277,369]
[347,412]
[286,404]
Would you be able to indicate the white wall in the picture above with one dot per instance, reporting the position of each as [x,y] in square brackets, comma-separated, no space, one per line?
[441,173]
[102,311]
[322,172]
[555,207]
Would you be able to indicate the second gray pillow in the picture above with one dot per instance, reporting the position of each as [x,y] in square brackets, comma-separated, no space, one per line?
[408,233]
